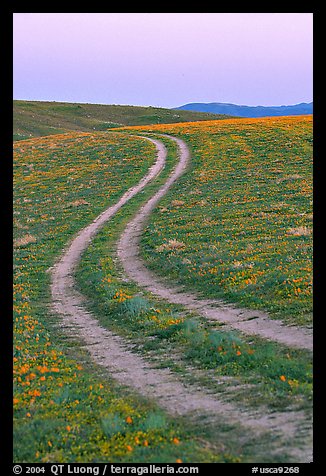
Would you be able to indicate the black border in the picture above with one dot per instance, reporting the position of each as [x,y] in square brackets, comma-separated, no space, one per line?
[6,201]
[6,413]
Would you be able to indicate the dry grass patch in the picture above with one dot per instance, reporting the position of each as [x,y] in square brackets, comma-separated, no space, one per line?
[78,203]
[202,203]
[288,177]
[177,203]
[24,240]
[300,231]
[163,209]
[171,245]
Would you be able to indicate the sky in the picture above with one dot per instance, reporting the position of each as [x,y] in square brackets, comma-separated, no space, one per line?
[164,59]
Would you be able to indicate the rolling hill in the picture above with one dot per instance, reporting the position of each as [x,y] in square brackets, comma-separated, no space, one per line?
[236,225]
[40,118]
[249,111]
[241,213]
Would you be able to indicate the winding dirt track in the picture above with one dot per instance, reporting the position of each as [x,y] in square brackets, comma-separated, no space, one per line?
[129,368]
[249,322]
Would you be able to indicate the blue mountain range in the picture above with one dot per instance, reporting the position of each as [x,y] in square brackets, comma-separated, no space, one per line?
[249,111]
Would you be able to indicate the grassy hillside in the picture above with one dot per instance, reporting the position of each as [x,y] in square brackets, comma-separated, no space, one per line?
[246,370]
[38,118]
[238,225]
[64,409]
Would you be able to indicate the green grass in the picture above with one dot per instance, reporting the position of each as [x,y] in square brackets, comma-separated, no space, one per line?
[61,184]
[280,377]
[161,329]
[66,409]
[243,212]
[39,118]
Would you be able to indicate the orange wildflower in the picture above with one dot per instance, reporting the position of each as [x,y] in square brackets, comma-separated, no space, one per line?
[34,393]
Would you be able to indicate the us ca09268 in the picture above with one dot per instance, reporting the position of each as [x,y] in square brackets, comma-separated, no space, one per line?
[280,470]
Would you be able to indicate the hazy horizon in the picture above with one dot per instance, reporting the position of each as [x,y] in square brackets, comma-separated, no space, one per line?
[164,59]
[149,105]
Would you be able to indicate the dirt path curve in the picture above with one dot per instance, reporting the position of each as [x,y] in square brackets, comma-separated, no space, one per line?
[247,321]
[130,369]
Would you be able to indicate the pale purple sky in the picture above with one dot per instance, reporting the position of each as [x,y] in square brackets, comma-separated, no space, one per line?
[164,59]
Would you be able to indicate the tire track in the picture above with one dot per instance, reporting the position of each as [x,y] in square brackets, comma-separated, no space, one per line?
[247,321]
[287,429]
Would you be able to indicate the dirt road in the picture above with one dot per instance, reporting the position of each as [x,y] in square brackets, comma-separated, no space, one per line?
[160,384]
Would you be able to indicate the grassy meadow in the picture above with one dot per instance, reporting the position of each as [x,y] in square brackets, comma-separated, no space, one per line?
[237,225]
[270,373]
[65,410]
[39,118]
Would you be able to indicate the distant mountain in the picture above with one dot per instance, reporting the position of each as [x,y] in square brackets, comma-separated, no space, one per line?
[249,111]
